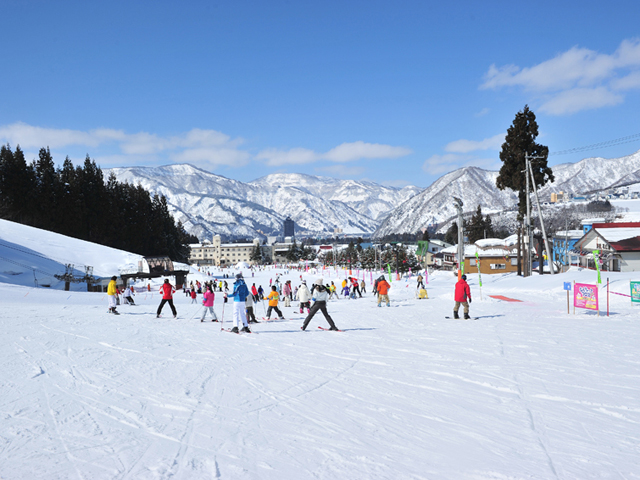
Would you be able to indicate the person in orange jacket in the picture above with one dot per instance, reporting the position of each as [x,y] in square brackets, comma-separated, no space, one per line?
[273,303]
[383,292]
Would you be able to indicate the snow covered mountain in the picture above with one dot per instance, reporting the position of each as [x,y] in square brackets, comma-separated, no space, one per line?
[475,186]
[211,204]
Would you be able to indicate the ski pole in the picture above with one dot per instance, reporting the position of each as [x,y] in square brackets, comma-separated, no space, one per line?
[197,311]
[222,318]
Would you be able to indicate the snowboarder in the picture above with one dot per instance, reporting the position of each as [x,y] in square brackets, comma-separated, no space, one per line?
[273,303]
[383,291]
[462,296]
[303,296]
[112,292]
[239,294]
[207,303]
[167,290]
[320,296]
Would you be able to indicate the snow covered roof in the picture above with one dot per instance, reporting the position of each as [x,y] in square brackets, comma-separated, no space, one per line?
[569,233]
[618,234]
[490,242]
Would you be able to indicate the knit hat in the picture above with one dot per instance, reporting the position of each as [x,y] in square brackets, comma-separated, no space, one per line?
[463,277]
[319,281]
[304,282]
[239,275]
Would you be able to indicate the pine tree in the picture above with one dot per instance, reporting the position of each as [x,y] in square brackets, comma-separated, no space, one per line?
[452,234]
[520,141]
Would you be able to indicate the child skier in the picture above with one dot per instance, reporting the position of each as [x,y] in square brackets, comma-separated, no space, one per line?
[207,303]
[303,296]
[383,291]
[273,303]
[462,296]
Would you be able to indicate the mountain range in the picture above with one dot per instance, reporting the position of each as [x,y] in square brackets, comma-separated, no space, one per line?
[209,204]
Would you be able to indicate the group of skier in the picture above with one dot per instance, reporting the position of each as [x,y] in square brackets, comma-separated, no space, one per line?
[244,299]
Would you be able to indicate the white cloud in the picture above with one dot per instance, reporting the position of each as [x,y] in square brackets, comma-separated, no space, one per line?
[466,146]
[205,148]
[439,164]
[577,99]
[346,152]
[575,80]
[483,112]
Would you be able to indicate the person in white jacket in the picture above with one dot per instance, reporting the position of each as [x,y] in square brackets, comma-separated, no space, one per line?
[320,296]
[304,296]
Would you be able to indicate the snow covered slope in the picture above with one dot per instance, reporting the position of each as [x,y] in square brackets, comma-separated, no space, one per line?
[475,186]
[30,256]
[207,203]
[524,391]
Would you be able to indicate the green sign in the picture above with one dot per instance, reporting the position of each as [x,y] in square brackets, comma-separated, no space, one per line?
[596,260]
[478,265]
[635,292]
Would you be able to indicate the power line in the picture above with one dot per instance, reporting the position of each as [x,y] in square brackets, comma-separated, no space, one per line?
[595,146]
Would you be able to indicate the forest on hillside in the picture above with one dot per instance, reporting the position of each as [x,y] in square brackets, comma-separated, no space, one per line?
[77,202]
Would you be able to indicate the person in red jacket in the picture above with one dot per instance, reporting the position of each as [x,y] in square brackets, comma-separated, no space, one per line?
[167,290]
[462,296]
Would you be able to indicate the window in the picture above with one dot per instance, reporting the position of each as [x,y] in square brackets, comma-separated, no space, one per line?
[472,262]
[498,266]
[514,261]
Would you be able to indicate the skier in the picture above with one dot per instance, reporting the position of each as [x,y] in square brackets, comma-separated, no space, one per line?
[333,291]
[462,293]
[286,292]
[167,290]
[419,282]
[254,292]
[345,288]
[303,296]
[193,296]
[207,303]
[355,287]
[320,297]
[112,291]
[249,305]
[363,286]
[273,303]
[240,294]
[260,292]
[383,291]
[128,295]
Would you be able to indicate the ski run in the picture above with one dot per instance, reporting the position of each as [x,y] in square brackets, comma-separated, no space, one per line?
[525,391]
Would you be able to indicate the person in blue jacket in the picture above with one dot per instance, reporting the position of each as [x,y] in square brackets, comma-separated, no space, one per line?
[239,295]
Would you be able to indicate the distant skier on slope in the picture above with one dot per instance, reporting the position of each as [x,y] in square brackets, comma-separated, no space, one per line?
[273,298]
[320,295]
[462,293]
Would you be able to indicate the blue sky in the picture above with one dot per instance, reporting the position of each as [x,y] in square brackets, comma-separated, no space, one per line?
[394,92]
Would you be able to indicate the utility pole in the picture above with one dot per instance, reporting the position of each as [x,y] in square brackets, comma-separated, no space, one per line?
[528,266]
[544,233]
[459,204]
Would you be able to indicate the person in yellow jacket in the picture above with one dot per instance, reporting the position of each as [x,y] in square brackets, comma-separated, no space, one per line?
[273,303]
[112,291]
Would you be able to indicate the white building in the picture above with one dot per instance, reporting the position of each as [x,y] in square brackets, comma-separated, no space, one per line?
[222,254]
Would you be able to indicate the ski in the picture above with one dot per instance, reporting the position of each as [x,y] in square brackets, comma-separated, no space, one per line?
[462,318]
[238,332]
[329,330]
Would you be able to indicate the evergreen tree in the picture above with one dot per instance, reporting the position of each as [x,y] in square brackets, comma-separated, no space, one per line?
[520,141]
[256,254]
[475,228]
[452,234]
[425,235]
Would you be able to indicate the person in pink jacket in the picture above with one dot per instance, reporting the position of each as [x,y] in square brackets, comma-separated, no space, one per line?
[207,303]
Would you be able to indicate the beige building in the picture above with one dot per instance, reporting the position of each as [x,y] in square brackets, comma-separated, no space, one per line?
[222,254]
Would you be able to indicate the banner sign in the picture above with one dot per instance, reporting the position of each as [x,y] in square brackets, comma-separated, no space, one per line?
[479,274]
[597,260]
[585,296]
[635,292]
